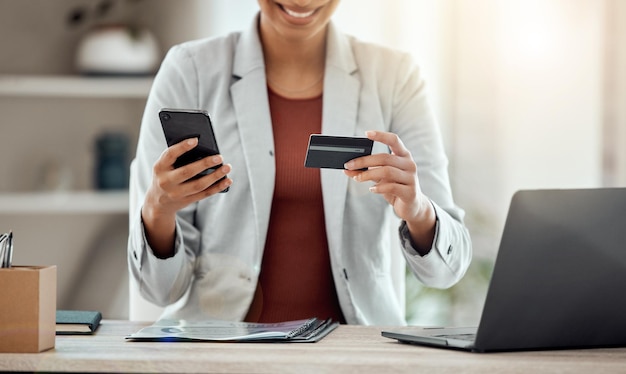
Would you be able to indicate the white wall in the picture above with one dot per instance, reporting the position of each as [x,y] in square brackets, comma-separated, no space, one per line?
[550,93]
[181,20]
[615,94]
[529,91]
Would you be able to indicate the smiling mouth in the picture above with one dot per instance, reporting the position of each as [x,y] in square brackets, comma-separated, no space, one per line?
[295,14]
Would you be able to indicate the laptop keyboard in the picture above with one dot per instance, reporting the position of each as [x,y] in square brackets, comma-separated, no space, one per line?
[468,337]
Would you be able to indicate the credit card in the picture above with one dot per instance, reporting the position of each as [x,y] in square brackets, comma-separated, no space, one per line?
[331,152]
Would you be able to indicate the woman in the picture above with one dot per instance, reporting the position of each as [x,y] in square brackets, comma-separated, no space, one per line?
[287,242]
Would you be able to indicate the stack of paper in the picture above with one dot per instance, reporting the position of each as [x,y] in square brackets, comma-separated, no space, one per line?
[301,331]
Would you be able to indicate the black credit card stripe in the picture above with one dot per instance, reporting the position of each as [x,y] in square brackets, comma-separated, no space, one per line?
[334,148]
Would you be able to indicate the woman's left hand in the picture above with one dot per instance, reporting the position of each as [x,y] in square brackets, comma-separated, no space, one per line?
[395,178]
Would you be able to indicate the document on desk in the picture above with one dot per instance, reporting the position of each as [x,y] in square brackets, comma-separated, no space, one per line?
[299,331]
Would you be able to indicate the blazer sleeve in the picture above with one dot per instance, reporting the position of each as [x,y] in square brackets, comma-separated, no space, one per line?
[413,121]
[162,281]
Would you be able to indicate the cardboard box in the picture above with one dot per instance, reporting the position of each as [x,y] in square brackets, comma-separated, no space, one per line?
[28,301]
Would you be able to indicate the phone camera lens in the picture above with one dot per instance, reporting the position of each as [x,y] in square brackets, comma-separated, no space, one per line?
[165,116]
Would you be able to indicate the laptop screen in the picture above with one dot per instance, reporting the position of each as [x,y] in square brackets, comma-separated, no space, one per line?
[560,275]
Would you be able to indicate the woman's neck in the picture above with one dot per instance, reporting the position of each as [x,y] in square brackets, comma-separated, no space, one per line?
[294,68]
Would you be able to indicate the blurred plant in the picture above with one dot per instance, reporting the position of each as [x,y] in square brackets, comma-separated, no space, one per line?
[462,304]
[459,305]
[94,13]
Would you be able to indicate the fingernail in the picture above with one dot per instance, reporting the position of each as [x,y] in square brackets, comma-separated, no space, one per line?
[373,189]
[216,159]
[192,141]
[348,165]
[370,133]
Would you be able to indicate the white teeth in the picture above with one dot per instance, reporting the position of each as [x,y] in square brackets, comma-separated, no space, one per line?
[299,15]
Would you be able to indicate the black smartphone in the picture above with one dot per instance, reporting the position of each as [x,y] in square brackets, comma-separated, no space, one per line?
[181,124]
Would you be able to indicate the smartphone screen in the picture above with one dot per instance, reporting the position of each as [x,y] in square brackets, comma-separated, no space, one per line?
[181,124]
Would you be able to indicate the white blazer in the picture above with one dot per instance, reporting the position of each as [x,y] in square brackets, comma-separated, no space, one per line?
[220,240]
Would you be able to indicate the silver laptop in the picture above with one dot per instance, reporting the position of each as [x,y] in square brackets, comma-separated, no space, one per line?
[559,279]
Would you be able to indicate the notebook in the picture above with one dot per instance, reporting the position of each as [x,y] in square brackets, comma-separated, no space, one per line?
[559,279]
[77,322]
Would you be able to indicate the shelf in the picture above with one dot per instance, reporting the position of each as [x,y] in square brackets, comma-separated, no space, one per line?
[66,202]
[74,86]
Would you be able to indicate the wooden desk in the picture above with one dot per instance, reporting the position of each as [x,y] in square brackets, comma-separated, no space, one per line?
[348,349]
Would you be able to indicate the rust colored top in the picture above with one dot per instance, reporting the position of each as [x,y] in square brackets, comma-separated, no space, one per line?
[296,280]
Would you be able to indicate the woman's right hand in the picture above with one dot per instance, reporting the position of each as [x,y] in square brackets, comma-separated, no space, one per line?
[172,190]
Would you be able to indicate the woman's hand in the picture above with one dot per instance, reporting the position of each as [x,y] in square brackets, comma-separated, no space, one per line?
[395,178]
[172,189]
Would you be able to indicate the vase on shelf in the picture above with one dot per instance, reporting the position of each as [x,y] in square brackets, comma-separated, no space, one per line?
[112,161]
[117,50]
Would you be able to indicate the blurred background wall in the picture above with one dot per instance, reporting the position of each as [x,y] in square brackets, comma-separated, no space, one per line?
[529,94]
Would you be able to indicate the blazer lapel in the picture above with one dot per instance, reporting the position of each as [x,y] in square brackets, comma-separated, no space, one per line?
[340,107]
[250,101]
[341,100]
